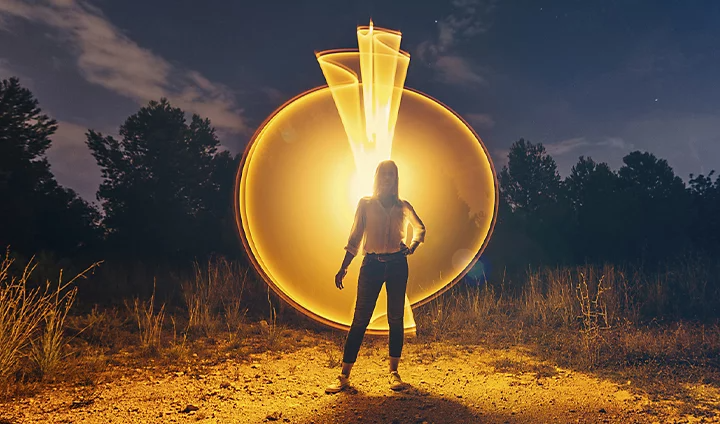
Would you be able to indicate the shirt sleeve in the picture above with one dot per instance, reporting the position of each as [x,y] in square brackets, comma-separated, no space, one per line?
[358,230]
[418,226]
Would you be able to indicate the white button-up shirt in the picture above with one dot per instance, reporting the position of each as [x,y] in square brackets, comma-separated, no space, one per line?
[383,230]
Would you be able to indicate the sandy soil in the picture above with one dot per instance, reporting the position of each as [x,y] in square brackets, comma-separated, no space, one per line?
[447,384]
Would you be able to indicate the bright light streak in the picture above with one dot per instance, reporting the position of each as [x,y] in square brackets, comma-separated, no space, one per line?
[367,101]
[313,158]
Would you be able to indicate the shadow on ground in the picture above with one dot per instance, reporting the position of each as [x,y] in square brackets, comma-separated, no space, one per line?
[412,405]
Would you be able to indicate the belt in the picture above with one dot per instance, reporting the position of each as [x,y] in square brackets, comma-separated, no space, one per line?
[385,257]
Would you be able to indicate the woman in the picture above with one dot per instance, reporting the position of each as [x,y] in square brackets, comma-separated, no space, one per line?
[380,221]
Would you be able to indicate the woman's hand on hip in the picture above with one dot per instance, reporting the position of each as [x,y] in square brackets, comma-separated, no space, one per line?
[412,248]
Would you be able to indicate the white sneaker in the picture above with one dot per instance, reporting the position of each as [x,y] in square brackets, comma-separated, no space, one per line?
[396,382]
[341,383]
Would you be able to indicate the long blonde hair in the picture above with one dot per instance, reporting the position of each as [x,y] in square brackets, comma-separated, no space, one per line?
[376,186]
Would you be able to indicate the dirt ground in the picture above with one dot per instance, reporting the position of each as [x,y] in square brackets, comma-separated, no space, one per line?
[447,384]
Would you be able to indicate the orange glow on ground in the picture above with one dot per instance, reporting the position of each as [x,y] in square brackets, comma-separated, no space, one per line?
[309,163]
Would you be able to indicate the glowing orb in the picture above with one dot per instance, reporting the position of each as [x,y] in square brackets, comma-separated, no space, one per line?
[309,163]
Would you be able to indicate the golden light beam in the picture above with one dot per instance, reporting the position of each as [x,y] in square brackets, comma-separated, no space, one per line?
[368,105]
[367,86]
[308,163]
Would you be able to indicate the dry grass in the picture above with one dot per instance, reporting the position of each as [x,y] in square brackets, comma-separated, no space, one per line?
[149,323]
[608,318]
[25,312]
[271,331]
[47,351]
[584,317]
[213,298]
[21,311]
[108,327]
[459,313]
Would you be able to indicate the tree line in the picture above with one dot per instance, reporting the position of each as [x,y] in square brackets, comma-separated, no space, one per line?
[168,186]
[165,194]
[641,213]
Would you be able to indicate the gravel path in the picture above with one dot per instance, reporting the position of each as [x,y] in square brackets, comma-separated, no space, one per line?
[447,384]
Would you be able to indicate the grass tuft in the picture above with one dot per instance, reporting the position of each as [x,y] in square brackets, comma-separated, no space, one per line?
[149,323]
[26,311]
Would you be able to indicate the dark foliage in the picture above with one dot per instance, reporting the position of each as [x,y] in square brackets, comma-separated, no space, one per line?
[167,190]
[167,200]
[36,214]
[642,213]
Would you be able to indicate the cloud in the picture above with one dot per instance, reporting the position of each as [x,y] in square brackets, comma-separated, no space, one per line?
[71,161]
[468,19]
[609,150]
[689,142]
[564,147]
[605,149]
[480,120]
[5,71]
[108,58]
[274,95]
[658,53]
[617,143]
[457,70]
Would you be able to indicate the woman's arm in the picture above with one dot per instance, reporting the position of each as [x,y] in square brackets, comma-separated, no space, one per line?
[353,245]
[418,226]
[358,230]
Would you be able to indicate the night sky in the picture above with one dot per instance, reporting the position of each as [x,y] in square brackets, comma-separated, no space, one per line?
[596,78]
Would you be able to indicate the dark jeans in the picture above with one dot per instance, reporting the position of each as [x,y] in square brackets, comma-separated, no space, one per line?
[373,274]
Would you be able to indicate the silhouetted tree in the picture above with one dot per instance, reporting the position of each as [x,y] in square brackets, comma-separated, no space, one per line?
[221,215]
[167,194]
[166,189]
[705,217]
[654,206]
[530,179]
[532,193]
[592,189]
[641,212]
[35,212]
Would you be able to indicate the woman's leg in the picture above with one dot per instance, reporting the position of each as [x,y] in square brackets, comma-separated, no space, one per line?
[393,363]
[369,284]
[396,282]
